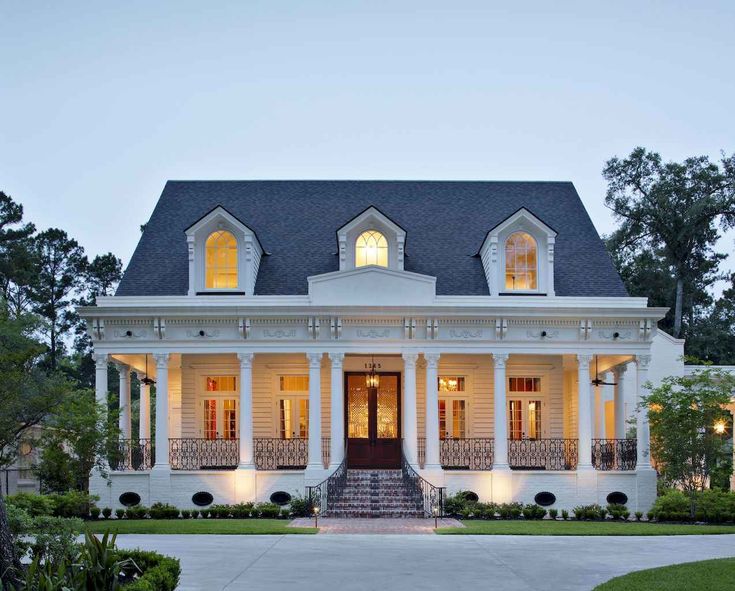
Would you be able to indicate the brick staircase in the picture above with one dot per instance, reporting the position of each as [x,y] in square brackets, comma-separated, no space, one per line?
[377,493]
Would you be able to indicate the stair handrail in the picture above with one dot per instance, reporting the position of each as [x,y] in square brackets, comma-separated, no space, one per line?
[319,495]
[432,496]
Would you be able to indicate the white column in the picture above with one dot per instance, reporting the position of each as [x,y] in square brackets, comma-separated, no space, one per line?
[100,381]
[584,420]
[315,411]
[246,411]
[501,422]
[337,430]
[410,422]
[597,393]
[433,461]
[642,430]
[144,422]
[125,418]
[162,459]
[619,373]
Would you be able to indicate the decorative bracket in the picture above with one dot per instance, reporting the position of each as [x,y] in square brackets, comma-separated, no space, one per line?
[159,328]
[501,328]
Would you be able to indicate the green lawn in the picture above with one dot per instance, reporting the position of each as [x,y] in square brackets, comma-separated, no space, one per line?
[583,528]
[197,526]
[691,576]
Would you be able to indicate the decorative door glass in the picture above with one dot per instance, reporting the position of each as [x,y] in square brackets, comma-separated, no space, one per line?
[387,408]
[524,419]
[230,419]
[452,418]
[357,410]
[293,418]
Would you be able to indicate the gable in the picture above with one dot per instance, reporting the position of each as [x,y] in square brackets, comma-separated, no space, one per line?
[297,222]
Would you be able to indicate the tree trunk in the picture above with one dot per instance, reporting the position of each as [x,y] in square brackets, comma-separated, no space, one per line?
[678,306]
[9,562]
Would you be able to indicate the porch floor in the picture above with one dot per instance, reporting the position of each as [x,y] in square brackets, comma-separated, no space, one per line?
[336,525]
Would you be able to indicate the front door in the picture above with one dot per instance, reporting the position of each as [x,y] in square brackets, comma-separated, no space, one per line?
[372,421]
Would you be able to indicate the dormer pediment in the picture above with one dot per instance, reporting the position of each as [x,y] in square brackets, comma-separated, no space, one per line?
[371,219]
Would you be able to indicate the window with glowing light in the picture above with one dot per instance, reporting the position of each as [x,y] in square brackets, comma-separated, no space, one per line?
[293,407]
[521,262]
[371,248]
[451,384]
[452,418]
[221,261]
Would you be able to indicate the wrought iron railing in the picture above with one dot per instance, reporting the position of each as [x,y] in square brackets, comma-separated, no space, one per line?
[614,454]
[475,453]
[326,450]
[272,453]
[542,454]
[421,451]
[131,454]
[431,497]
[322,497]
[204,454]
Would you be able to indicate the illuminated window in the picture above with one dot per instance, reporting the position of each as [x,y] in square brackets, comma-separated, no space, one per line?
[210,419]
[221,261]
[451,384]
[520,262]
[294,383]
[293,418]
[229,416]
[371,248]
[452,418]
[221,384]
[524,384]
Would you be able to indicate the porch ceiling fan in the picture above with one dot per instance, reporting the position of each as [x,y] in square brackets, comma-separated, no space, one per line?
[597,381]
[147,380]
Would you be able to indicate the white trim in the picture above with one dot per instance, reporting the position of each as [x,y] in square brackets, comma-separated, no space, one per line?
[371,219]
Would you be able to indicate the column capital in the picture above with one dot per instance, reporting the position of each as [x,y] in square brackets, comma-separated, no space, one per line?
[245,359]
[314,359]
[643,361]
[100,360]
[584,360]
[162,360]
[123,368]
[409,360]
[619,372]
[337,359]
[500,359]
[432,360]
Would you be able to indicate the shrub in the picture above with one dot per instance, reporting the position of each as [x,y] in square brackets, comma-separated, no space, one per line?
[54,537]
[163,511]
[119,513]
[106,512]
[267,510]
[553,513]
[95,512]
[638,515]
[220,511]
[73,503]
[672,506]
[715,506]
[616,510]
[159,573]
[533,511]
[454,504]
[20,524]
[626,515]
[602,514]
[485,510]
[299,506]
[32,504]
[137,512]
[564,514]
[650,516]
[241,510]
[185,514]
[588,512]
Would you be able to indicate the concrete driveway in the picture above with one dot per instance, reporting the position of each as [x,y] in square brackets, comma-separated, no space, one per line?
[406,562]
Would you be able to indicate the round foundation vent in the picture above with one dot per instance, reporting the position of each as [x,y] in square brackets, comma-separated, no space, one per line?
[202,499]
[471,496]
[130,499]
[545,498]
[281,497]
[617,498]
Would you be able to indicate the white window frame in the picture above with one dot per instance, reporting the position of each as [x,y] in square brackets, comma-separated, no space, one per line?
[371,219]
[526,397]
[295,397]
[219,397]
[466,395]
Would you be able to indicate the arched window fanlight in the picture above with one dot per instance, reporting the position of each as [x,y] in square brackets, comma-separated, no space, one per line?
[221,260]
[521,262]
[371,248]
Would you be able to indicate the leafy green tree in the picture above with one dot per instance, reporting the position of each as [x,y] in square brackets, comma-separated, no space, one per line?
[16,262]
[712,336]
[28,392]
[61,267]
[683,412]
[676,209]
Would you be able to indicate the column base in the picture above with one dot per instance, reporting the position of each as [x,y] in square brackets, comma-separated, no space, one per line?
[646,481]
[245,484]
[502,483]
[160,483]
[586,484]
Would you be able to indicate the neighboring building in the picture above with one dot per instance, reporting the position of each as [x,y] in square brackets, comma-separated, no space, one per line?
[457,329]
[20,476]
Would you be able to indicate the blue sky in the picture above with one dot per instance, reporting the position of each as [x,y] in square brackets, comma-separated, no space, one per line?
[101,102]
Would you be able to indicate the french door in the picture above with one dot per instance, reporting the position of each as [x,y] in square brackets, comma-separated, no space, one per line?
[219,418]
[372,421]
[525,418]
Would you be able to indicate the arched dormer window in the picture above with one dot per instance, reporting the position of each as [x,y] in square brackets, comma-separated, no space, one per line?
[221,260]
[371,248]
[521,262]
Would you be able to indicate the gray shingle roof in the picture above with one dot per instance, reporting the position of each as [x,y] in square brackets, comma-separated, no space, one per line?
[296,222]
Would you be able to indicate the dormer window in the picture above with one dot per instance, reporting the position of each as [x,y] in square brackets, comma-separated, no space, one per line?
[518,256]
[371,248]
[221,263]
[224,255]
[521,262]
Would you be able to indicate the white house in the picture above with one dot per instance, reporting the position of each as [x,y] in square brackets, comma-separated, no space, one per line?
[408,338]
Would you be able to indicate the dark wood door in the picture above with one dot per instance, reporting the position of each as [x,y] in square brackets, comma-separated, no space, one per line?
[373,421]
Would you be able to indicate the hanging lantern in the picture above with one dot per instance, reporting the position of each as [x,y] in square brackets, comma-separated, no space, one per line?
[372,379]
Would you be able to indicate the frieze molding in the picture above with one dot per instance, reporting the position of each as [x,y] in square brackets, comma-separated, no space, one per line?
[615,335]
[542,334]
[373,333]
[466,333]
[202,334]
[131,334]
[279,333]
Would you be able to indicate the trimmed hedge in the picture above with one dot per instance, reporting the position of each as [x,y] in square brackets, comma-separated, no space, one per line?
[710,506]
[160,573]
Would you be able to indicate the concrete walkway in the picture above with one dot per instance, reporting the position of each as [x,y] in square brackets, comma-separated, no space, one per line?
[404,562]
[336,525]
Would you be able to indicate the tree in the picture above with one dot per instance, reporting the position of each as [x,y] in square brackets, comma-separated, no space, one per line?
[61,267]
[713,333]
[9,561]
[27,391]
[683,412]
[16,264]
[674,208]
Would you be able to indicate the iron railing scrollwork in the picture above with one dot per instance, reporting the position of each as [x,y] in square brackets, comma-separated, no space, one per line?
[614,454]
[204,454]
[273,453]
[475,453]
[323,495]
[431,497]
[131,454]
[543,454]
